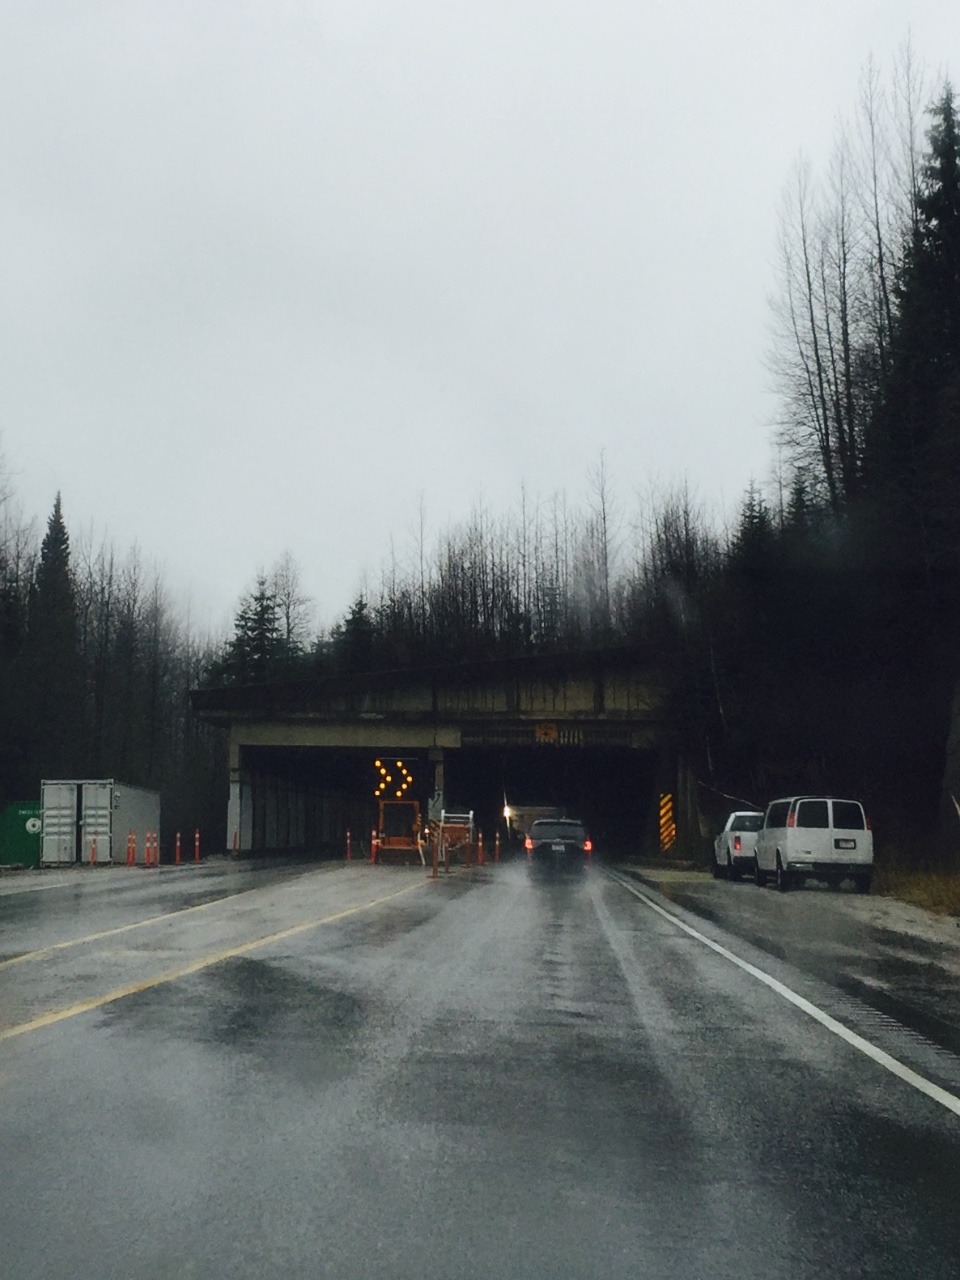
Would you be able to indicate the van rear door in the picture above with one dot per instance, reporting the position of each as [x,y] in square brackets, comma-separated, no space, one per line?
[812,834]
[851,840]
[771,834]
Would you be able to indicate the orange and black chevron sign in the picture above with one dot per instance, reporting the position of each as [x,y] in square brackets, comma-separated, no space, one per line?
[668,828]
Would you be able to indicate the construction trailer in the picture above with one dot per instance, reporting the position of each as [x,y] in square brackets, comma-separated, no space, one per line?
[85,820]
[452,838]
[398,836]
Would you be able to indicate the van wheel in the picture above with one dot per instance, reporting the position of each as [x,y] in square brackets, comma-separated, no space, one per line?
[783,877]
[759,877]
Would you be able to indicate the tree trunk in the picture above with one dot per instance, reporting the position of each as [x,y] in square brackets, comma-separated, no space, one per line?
[948,827]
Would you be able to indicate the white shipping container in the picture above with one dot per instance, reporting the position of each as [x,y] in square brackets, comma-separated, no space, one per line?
[59,819]
[136,810]
[74,813]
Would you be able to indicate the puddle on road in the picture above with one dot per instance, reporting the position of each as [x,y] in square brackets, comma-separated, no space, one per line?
[387,927]
[254,997]
[927,1162]
[296,1027]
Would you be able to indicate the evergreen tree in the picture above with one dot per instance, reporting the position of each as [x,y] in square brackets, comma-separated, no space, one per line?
[256,651]
[799,513]
[753,543]
[913,461]
[353,638]
[12,620]
[55,677]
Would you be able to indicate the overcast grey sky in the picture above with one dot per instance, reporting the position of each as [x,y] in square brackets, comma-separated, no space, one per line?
[272,269]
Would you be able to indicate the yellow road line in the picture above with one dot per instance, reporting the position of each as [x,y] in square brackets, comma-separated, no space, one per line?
[205,962]
[42,952]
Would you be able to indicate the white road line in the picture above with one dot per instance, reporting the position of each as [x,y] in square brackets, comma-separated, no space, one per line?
[44,953]
[883,1059]
[196,966]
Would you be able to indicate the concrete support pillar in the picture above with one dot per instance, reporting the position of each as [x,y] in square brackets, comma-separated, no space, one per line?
[233,797]
[678,807]
[435,756]
[246,814]
[948,827]
[239,802]
[689,840]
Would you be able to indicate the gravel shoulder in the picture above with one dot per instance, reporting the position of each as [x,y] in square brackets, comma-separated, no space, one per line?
[872,910]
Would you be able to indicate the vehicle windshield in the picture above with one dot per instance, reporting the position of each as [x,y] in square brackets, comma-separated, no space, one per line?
[747,822]
[558,831]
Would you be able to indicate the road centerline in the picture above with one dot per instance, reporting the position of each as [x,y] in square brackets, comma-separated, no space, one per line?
[195,966]
[41,953]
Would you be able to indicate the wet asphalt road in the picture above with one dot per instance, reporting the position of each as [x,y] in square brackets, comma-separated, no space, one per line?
[354,1072]
[900,961]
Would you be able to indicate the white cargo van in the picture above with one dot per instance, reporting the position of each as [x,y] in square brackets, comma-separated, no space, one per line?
[816,837]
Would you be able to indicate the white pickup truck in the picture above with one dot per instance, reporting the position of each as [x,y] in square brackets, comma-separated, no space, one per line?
[733,849]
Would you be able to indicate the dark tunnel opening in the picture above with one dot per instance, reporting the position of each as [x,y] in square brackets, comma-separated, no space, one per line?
[610,790]
[306,799]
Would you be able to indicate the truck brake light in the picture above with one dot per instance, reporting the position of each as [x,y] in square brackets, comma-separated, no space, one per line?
[588,846]
[528,844]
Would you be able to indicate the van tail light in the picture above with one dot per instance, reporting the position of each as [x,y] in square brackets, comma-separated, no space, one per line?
[869,823]
[588,847]
[792,818]
[528,844]
[736,844]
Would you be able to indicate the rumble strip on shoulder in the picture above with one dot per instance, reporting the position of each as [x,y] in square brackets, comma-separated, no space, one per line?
[883,1059]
